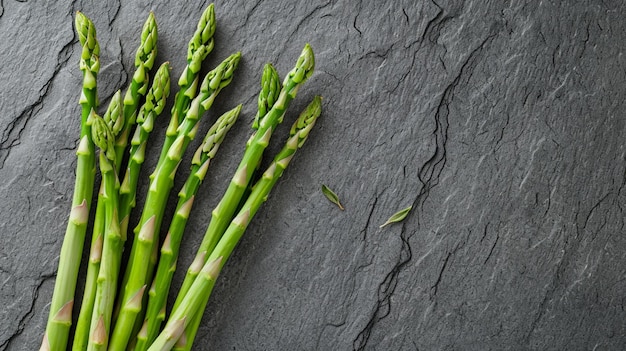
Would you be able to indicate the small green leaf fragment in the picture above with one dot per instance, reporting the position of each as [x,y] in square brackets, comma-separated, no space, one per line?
[331,196]
[398,216]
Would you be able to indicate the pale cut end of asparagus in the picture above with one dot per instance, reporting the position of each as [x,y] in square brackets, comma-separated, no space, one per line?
[143,332]
[167,245]
[45,344]
[201,173]
[134,303]
[176,329]
[146,233]
[285,161]
[185,209]
[181,342]
[212,269]
[197,263]
[83,146]
[95,255]
[152,290]
[241,176]
[242,219]
[79,215]
[99,334]
[64,315]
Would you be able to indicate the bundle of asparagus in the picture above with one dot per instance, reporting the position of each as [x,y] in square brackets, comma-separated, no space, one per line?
[128,315]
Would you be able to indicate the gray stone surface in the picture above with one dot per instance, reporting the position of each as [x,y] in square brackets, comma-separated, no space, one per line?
[501,122]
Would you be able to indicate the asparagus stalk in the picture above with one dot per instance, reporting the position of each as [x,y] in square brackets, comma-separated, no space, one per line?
[155,313]
[223,213]
[175,328]
[81,335]
[152,108]
[144,60]
[190,317]
[199,47]
[161,182]
[60,317]
[104,131]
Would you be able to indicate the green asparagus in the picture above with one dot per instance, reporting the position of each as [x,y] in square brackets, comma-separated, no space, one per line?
[199,47]
[152,108]
[60,317]
[161,182]
[155,313]
[144,60]
[105,131]
[222,214]
[81,334]
[191,318]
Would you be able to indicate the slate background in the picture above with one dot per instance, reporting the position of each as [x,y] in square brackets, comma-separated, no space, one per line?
[500,121]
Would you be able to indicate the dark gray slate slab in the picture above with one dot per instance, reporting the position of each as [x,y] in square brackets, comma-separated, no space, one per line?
[501,123]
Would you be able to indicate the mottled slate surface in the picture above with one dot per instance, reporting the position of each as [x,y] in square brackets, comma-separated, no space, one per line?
[501,122]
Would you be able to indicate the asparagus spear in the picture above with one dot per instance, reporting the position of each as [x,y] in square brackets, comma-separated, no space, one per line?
[144,60]
[155,313]
[161,182]
[152,108]
[270,90]
[113,116]
[60,317]
[199,47]
[223,213]
[188,318]
[104,131]
[174,330]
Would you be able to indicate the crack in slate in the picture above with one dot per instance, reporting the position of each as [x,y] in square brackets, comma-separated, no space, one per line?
[428,176]
[248,15]
[369,217]
[385,291]
[13,132]
[358,11]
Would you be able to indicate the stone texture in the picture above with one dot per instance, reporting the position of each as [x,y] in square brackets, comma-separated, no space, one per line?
[500,122]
